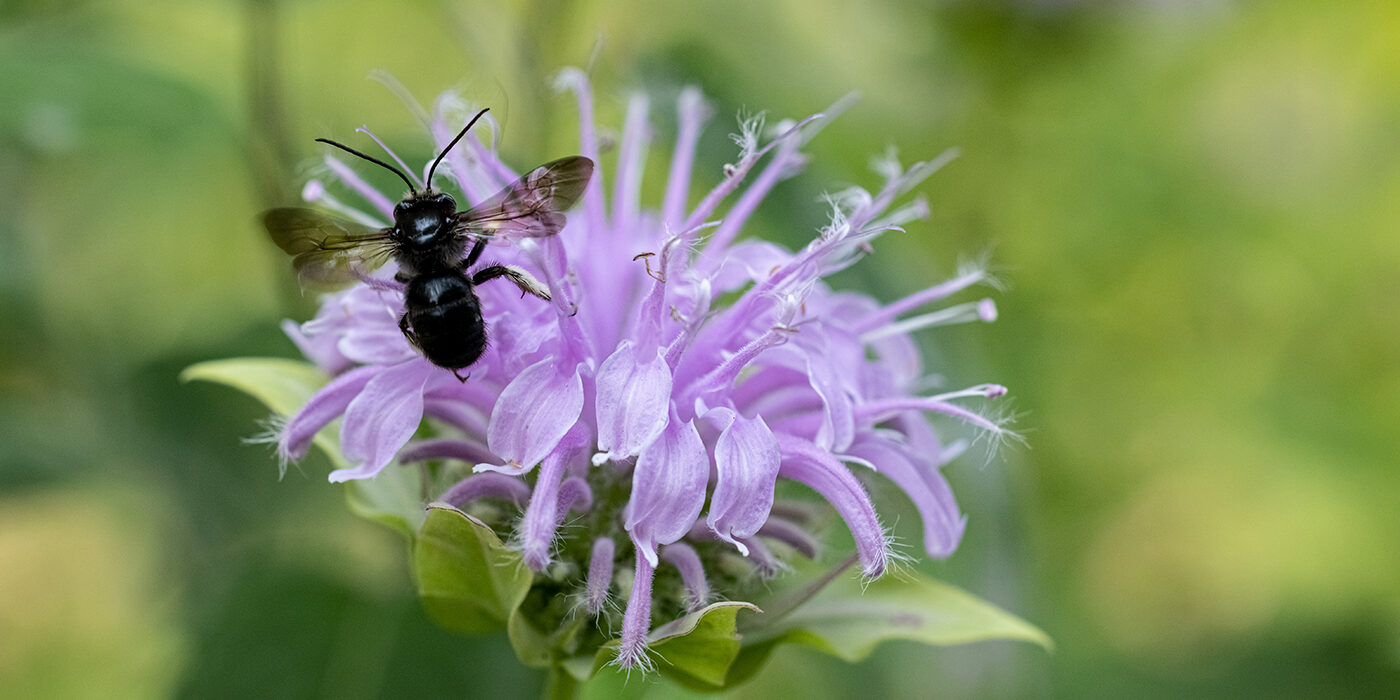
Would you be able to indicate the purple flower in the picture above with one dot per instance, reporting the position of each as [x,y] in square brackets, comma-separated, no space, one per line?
[636,406]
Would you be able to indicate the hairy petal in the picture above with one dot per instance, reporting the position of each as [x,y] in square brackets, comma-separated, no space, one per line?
[637,620]
[792,535]
[762,558]
[574,494]
[943,523]
[444,448]
[489,485]
[541,517]
[600,571]
[808,464]
[687,562]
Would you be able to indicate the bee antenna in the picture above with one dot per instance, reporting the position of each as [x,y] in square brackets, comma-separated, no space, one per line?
[374,160]
[460,134]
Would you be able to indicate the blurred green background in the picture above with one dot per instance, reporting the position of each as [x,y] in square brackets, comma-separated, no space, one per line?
[1194,203]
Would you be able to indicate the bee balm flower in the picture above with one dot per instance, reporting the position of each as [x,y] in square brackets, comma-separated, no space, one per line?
[637,406]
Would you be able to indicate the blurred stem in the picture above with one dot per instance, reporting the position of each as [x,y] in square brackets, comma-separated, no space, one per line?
[560,685]
[270,145]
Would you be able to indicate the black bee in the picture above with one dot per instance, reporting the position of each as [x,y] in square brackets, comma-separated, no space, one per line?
[442,315]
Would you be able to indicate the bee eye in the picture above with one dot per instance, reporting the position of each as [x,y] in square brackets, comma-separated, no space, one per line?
[446,201]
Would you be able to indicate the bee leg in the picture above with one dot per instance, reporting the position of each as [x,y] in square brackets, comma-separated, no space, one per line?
[408,332]
[475,253]
[522,279]
[460,378]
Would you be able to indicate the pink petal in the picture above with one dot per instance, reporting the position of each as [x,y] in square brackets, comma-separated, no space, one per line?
[532,415]
[382,418]
[324,406]
[375,345]
[632,401]
[746,463]
[668,488]
[600,571]
[926,487]
[541,516]
[808,464]
[637,620]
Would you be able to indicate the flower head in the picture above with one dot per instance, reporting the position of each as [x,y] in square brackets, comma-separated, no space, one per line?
[634,404]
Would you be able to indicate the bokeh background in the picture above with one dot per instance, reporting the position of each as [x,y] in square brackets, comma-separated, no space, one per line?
[1194,205]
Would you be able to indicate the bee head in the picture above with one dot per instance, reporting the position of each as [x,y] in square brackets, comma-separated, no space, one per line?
[420,220]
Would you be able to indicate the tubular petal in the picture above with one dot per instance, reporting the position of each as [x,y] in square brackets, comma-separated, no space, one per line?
[637,620]
[600,573]
[687,562]
[487,485]
[926,487]
[808,464]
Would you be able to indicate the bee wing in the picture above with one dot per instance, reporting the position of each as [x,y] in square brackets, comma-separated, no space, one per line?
[531,207]
[327,253]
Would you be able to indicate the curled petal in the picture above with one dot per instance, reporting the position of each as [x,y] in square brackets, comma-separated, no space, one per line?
[762,558]
[926,487]
[325,406]
[382,418]
[825,354]
[668,488]
[747,262]
[443,448]
[808,464]
[800,513]
[320,349]
[746,466]
[489,485]
[532,414]
[632,401]
[687,562]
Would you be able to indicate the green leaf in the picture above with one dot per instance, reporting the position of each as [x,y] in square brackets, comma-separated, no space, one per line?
[849,623]
[698,649]
[467,580]
[394,497]
[695,650]
[282,385]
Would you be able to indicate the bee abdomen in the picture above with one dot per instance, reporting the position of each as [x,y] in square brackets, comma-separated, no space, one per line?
[445,316]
